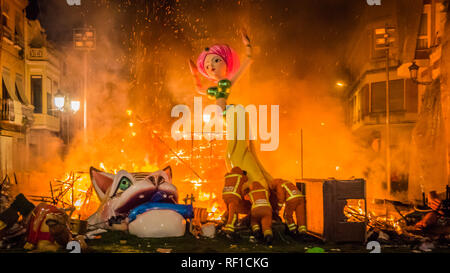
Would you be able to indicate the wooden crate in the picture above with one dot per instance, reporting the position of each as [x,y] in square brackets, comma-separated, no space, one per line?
[325,202]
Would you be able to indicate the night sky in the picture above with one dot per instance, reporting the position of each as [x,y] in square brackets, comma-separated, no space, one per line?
[302,28]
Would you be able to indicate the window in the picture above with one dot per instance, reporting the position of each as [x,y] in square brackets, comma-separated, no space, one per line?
[49,86]
[55,86]
[36,93]
[350,113]
[378,50]
[18,25]
[5,12]
[383,38]
[422,39]
[365,100]
[411,97]
[396,96]
[5,94]
[7,85]
[353,114]
[20,94]
[378,97]
[49,105]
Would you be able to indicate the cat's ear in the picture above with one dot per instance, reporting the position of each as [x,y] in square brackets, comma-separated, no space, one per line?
[102,182]
[168,171]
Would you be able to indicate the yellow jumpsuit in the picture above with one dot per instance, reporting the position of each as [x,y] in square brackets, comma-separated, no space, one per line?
[241,153]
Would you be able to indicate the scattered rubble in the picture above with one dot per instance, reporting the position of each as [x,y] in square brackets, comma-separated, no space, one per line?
[164,250]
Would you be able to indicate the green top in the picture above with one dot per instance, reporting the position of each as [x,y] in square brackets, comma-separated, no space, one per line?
[222,90]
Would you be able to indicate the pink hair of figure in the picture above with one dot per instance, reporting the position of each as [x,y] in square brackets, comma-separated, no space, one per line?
[228,55]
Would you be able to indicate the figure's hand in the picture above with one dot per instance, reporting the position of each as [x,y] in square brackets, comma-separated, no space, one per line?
[195,73]
[246,41]
[244,37]
[193,67]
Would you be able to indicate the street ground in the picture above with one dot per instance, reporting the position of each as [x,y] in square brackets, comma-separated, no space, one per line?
[122,242]
[116,241]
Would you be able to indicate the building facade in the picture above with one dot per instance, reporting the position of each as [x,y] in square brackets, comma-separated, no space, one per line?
[418,153]
[32,70]
[16,108]
[43,74]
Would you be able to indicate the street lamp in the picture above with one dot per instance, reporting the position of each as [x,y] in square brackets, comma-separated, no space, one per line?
[413,72]
[84,39]
[384,39]
[75,105]
[63,106]
[59,101]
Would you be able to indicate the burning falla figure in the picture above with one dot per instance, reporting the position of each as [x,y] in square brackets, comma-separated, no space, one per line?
[220,64]
[143,203]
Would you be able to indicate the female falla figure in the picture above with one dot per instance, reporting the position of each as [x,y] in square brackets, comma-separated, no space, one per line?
[220,64]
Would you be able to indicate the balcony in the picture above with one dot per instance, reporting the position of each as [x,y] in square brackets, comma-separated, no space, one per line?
[46,122]
[43,54]
[8,35]
[374,119]
[27,112]
[7,111]
[19,42]
[37,54]
[15,115]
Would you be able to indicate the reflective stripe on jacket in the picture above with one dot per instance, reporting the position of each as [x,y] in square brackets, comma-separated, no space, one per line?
[259,198]
[291,190]
[232,187]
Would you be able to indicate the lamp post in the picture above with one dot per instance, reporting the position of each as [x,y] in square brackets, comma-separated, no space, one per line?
[384,37]
[413,74]
[62,105]
[75,106]
[59,101]
[84,39]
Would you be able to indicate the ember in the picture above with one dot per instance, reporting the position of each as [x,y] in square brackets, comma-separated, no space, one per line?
[111,114]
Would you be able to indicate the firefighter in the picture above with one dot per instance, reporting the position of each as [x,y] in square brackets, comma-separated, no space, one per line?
[261,212]
[232,196]
[289,195]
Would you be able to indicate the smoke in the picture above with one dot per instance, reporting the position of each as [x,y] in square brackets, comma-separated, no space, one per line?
[140,65]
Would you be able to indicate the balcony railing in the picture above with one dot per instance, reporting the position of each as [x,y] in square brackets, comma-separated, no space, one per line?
[7,111]
[7,34]
[44,121]
[19,41]
[37,53]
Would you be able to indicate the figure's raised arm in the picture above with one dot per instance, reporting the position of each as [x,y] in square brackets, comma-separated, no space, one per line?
[248,58]
[197,82]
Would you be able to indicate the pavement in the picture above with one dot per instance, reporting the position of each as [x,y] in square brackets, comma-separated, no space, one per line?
[121,242]
[282,243]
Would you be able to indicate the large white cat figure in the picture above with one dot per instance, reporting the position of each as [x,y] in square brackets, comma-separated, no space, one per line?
[122,193]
